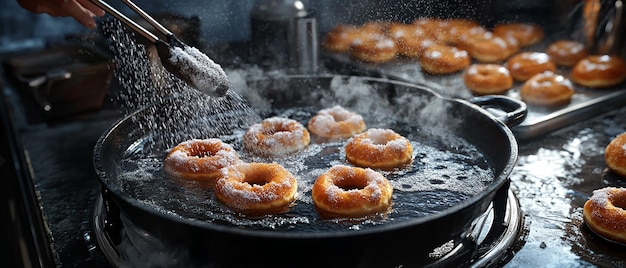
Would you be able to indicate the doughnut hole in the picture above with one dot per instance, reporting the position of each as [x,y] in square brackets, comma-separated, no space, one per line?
[619,200]
[350,183]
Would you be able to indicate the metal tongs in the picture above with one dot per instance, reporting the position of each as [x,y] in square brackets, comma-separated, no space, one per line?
[190,65]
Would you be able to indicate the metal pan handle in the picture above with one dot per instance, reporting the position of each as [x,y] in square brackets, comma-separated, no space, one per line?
[510,111]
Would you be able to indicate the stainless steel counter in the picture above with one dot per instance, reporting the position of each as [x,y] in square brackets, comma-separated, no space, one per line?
[554,176]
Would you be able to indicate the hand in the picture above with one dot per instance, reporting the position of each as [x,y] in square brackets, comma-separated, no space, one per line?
[82,10]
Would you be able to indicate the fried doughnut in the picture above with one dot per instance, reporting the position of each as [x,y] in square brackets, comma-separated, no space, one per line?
[599,71]
[525,65]
[198,159]
[525,34]
[605,215]
[484,79]
[442,59]
[474,33]
[276,136]
[411,39]
[345,191]
[566,52]
[453,30]
[615,155]
[547,89]
[256,187]
[340,38]
[379,148]
[336,122]
[375,48]
[488,48]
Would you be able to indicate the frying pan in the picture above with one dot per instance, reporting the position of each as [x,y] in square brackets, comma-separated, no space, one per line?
[380,241]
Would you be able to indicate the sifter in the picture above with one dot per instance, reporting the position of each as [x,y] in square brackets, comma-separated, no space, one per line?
[185,62]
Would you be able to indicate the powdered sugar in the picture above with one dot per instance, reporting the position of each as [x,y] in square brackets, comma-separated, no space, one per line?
[276,136]
[206,75]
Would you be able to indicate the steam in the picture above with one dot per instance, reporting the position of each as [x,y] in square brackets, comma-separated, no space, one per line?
[172,108]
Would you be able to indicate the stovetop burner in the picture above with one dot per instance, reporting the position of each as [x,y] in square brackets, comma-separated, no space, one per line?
[491,239]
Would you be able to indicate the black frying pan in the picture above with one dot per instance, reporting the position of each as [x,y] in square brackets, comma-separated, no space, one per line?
[380,241]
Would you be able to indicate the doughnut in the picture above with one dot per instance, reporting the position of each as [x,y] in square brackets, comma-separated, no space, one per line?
[487,48]
[547,89]
[453,30]
[615,155]
[525,34]
[374,27]
[276,136]
[340,38]
[411,39]
[375,48]
[599,71]
[345,191]
[336,122]
[442,59]
[256,187]
[379,148]
[484,79]
[605,215]
[525,65]
[566,52]
[471,34]
[198,159]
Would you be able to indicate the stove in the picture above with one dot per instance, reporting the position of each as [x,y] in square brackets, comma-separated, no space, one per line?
[55,189]
[489,241]
[75,229]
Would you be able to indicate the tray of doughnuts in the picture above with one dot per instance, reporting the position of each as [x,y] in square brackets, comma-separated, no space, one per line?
[555,76]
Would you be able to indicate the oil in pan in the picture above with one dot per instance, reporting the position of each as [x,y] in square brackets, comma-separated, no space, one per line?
[446,170]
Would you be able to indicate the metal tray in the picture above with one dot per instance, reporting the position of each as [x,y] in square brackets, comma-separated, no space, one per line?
[585,103]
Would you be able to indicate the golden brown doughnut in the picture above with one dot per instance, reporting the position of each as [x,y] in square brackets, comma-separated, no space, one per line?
[475,33]
[340,38]
[345,191]
[525,34]
[256,187]
[599,71]
[442,59]
[484,79]
[375,48]
[605,215]
[199,159]
[615,155]
[411,39]
[276,136]
[566,52]
[453,30]
[379,148]
[336,122]
[525,65]
[488,48]
[547,89]
[375,27]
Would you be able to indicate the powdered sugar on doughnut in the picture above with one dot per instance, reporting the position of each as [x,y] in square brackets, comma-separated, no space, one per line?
[256,186]
[601,196]
[351,191]
[276,136]
[199,159]
[336,122]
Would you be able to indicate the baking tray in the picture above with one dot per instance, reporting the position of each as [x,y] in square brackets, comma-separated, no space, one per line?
[585,103]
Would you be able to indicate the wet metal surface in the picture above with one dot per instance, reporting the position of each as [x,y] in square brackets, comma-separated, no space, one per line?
[554,177]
